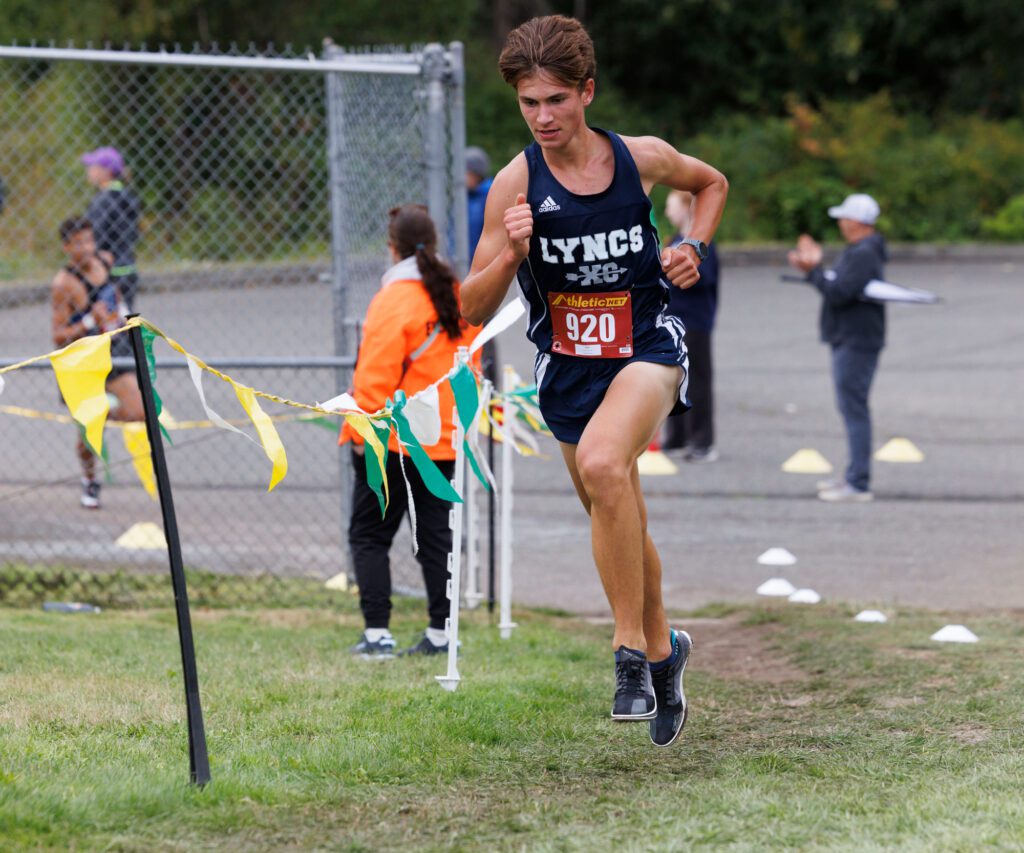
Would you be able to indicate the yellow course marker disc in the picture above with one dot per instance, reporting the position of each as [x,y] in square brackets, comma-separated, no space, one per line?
[654,463]
[807,461]
[143,536]
[899,450]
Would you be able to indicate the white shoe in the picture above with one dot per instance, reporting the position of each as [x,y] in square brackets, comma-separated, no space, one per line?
[846,494]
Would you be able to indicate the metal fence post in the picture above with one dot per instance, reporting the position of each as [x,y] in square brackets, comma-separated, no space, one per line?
[457,117]
[434,138]
[339,256]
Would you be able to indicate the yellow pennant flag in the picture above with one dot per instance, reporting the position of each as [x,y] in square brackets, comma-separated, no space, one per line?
[268,434]
[361,424]
[137,445]
[82,369]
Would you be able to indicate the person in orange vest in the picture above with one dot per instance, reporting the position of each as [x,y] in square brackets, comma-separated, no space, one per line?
[412,331]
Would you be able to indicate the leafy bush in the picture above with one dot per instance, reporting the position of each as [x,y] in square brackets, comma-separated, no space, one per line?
[1008,223]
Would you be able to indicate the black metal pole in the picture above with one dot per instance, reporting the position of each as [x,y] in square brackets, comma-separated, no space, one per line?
[198,760]
[490,367]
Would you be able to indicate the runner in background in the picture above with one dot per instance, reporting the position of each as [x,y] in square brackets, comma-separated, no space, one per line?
[114,214]
[85,302]
[570,218]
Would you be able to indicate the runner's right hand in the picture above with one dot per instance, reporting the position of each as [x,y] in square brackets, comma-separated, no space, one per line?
[519,227]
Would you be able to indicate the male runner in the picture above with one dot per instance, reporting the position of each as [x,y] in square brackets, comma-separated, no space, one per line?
[570,217]
[86,302]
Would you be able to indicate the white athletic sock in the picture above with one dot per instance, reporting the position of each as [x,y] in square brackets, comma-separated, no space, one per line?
[437,636]
[375,635]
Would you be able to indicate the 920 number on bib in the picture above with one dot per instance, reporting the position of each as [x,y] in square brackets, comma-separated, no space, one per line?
[598,325]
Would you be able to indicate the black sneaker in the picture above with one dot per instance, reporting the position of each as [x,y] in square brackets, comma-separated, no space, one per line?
[90,498]
[668,688]
[634,694]
[382,649]
[424,647]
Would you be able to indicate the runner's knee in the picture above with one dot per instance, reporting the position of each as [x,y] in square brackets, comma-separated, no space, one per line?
[602,472]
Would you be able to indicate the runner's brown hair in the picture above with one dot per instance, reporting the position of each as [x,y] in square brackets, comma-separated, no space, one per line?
[553,43]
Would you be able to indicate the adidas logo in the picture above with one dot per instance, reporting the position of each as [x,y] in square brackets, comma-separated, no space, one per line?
[548,206]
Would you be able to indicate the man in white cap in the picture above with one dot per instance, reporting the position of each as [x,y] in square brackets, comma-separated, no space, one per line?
[853,327]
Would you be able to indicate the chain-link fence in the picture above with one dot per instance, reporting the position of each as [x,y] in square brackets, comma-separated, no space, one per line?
[263,184]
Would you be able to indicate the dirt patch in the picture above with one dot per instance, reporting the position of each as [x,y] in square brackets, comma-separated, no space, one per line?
[970,734]
[725,648]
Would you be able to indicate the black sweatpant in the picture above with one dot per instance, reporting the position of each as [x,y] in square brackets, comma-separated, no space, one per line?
[695,428]
[370,538]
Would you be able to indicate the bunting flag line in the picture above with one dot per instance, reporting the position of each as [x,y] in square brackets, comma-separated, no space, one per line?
[82,369]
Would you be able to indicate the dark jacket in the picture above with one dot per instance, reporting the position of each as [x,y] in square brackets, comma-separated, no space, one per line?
[696,306]
[845,318]
[114,214]
[476,201]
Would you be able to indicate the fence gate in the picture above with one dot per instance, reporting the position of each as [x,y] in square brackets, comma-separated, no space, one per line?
[264,183]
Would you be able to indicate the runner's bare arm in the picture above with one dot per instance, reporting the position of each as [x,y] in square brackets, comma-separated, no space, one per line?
[62,304]
[505,241]
[660,163]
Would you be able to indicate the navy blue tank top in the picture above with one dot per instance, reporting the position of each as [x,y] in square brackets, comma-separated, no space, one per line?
[600,243]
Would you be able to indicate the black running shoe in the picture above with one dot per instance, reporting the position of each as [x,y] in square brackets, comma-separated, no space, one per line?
[382,649]
[424,647]
[668,688]
[634,695]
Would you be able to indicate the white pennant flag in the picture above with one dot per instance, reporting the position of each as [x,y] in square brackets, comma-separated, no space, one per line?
[502,320]
[196,373]
[423,411]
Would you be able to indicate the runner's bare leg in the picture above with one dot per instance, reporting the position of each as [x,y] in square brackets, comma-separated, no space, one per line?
[603,469]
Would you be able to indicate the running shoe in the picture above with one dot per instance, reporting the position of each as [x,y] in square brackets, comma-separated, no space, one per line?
[424,647]
[668,688]
[381,649]
[90,498]
[634,694]
[846,494]
[697,455]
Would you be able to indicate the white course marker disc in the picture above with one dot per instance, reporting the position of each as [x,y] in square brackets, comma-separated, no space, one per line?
[777,587]
[954,634]
[776,557]
[805,596]
[870,616]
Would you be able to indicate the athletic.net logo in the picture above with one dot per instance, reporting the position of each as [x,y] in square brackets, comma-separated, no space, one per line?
[549,205]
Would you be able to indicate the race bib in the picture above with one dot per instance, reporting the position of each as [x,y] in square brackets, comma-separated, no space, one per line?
[592,325]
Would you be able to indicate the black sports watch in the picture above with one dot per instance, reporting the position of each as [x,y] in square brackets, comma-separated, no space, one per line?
[699,246]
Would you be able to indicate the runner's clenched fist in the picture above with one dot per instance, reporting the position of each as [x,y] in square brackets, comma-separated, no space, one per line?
[519,226]
[680,266]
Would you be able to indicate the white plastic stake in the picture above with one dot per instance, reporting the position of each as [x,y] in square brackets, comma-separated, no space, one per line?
[450,680]
[506,624]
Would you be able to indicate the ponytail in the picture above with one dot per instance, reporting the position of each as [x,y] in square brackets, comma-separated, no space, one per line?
[411,232]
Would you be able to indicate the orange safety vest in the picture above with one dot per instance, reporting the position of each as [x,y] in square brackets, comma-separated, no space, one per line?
[404,347]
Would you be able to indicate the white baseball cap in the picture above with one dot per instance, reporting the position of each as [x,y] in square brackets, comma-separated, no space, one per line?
[858,207]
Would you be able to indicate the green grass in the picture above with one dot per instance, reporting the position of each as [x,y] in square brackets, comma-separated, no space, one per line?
[879,738]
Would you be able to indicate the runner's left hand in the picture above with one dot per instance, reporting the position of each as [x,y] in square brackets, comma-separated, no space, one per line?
[680,266]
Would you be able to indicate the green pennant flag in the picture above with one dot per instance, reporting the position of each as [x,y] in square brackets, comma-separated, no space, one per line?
[148,336]
[433,479]
[467,401]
